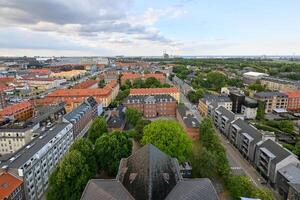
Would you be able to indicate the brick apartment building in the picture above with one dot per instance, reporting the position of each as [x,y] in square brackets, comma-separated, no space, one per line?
[152,106]
[82,116]
[72,97]
[18,112]
[173,91]
[132,76]
[293,101]
[188,121]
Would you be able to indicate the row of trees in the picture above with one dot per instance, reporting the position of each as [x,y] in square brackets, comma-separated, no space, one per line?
[209,160]
[99,152]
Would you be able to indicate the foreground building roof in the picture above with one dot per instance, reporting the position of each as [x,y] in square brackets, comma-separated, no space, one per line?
[150,174]
[8,184]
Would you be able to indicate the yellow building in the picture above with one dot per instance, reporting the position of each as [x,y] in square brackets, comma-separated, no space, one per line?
[69,75]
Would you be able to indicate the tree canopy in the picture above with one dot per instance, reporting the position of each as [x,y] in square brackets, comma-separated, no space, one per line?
[132,116]
[69,178]
[85,147]
[98,128]
[109,150]
[169,137]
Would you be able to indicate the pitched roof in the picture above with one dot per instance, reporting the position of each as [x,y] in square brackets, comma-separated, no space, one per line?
[9,110]
[193,189]
[293,94]
[85,84]
[79,92]
[276,149]
[97,189]
[227,113]
[249,129]
[8,184]
[269,94]
[153,91]
[149,173]
[157,76]
[128,75]
[291,172]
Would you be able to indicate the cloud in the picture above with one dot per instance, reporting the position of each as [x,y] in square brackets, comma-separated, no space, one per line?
[87,20]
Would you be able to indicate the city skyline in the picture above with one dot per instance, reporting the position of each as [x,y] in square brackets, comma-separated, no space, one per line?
[147,28]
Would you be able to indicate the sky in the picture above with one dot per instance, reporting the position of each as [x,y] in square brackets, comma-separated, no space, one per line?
[149,27]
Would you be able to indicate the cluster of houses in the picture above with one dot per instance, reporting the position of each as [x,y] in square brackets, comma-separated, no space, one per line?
[279,166]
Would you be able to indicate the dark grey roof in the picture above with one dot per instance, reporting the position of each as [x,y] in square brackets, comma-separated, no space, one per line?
[296,187]
[149,173]
[291,172]
[215,98]
[115,122]
[270,94]
[45,111]
[249,129]
[189,120]
[75,114]
[193,189]
[25,153]
[249,102]
[227,113]
[149,98]
[276,149]
[100,189]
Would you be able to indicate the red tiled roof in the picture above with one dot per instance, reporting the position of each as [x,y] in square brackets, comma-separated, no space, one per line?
[157,76]
[9,110]
[86,84]
[127,75]
[40,71]
[79,92]
[110,85]
[293,94]
[153,91]
[5,88]
[8,184]
[7,79]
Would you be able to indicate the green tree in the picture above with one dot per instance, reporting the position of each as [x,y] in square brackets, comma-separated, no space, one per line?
[257,87]
[85,147]
[216,80]
[151,83]
[98,128]
[109,150]
[101,83]
[132,116]
[211,142]
[297,148]
[241,186]
[260,115]
[146,71]
[204,163]
[137,83]
[139,129]
[69,178]
[169,137]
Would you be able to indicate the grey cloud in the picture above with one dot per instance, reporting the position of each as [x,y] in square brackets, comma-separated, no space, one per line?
[30,40]
[61,12]
[88,18]
[112,27]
